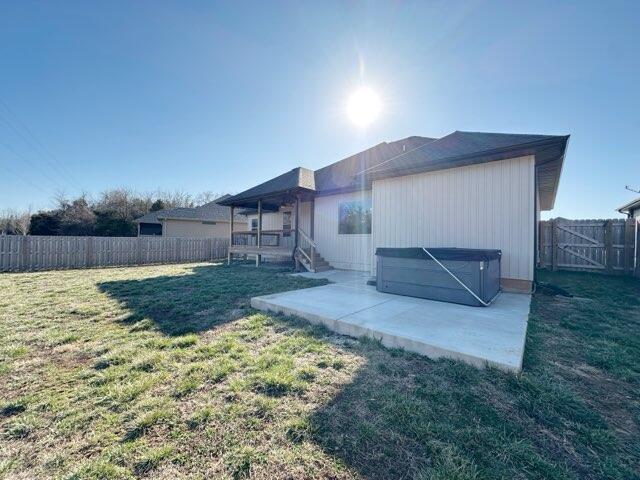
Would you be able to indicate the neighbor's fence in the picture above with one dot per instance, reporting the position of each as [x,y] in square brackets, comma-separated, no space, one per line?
[23,253]
[608,246]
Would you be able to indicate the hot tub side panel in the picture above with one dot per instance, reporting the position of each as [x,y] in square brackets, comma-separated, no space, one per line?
[422,278]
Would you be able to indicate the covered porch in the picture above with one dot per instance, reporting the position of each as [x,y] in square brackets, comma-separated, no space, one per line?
[288,191]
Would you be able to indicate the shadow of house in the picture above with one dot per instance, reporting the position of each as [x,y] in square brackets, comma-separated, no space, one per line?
[201,299]
[402,415]
[405,416]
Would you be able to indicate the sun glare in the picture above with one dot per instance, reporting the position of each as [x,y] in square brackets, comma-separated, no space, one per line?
[363,106]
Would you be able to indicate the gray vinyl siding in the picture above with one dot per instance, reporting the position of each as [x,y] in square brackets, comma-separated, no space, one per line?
[489,205]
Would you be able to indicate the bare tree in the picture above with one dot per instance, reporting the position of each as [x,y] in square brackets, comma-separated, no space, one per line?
[13,222]
[206,197]
[176,198]
[6,222]
[22,221]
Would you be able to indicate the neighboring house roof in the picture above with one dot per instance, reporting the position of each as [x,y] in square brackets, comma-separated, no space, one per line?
[211,211]
[629,208]
[154,217]
[415,155]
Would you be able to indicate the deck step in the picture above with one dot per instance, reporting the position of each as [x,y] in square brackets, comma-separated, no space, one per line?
[320,264]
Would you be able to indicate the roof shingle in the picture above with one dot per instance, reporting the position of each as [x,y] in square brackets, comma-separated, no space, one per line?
[211,211]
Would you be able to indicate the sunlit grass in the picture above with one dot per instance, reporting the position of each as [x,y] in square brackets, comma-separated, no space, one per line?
[166,372]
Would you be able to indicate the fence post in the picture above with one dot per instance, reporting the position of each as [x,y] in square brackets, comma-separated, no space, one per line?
[24,253]
[554,245]
[178,245]
[637,248]
[90,260]
[139,250]
[608,246]
[540,260]
[629,245]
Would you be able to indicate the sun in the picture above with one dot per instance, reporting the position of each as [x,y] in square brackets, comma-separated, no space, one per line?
[363,106]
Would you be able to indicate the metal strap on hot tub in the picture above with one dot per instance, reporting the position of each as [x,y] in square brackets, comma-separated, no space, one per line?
[486,304]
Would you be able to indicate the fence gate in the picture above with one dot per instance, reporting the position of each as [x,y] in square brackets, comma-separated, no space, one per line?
[608,246]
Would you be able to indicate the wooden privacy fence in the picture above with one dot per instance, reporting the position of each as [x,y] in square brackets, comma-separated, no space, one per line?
[608,246]
[24,253]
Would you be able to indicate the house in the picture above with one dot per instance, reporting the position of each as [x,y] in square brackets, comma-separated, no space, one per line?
[631,209]
[206,221]
[466,189]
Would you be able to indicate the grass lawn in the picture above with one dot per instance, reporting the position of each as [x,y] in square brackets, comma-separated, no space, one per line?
[166,372]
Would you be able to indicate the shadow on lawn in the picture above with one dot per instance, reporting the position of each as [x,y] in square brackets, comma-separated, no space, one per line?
[203,297]
[404,416]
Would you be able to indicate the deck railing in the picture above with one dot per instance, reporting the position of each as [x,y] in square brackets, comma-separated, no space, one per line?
[269,238]
[307,248]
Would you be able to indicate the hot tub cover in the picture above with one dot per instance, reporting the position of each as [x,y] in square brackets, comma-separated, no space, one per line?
[450,253]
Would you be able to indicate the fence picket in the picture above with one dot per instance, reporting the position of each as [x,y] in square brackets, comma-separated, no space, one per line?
[25,253]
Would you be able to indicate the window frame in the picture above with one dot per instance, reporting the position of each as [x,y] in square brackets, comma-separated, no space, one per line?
[368,203]
[286,232]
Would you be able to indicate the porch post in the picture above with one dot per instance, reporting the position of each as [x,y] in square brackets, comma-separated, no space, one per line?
[259,239]
[295,236]
[230,237]
[297,221]
[311,217]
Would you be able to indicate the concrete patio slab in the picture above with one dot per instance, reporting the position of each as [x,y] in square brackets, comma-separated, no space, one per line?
[480,336]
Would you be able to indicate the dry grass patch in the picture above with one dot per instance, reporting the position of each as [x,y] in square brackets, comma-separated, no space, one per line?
[165,372]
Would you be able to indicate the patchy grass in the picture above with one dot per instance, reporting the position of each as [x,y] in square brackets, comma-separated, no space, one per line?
[166,372]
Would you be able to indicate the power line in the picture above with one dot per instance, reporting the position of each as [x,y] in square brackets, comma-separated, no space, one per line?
[37,168]
[38,146]
[26,180]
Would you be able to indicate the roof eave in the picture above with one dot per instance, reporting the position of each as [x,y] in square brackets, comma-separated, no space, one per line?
[232,202]
[493,154]
[627,207]
[191,219]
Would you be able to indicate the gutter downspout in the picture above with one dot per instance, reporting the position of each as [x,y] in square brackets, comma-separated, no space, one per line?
[536,227]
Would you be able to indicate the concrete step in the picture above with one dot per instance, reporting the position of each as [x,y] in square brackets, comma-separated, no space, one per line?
[324,268]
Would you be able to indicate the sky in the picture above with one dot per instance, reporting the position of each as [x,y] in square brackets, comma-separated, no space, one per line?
[208,96]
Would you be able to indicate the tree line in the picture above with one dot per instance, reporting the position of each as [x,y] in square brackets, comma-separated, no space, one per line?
[111,214]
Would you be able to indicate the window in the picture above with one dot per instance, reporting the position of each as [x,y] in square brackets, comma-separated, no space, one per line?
[206,222]
[354,217]
[254,224]
[150,229]
[286,224]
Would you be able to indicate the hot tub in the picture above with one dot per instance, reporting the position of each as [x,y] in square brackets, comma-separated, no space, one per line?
[410,271]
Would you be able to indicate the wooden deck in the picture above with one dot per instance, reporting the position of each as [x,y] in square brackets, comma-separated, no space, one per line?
[279,251]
